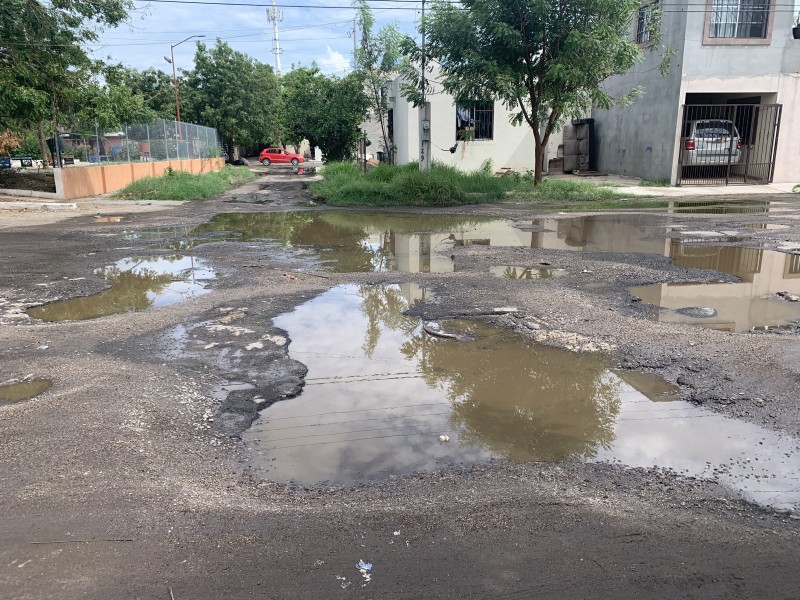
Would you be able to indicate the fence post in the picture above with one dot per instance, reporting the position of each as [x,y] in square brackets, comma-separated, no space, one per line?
[149,145]
[178,140]
[127,144]
[166,148]
[97,139]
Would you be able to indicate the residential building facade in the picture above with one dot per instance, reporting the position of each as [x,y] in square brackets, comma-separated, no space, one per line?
[476,133]
[735,65]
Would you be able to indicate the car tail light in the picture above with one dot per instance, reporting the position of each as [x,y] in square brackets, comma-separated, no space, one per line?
[689,144]
[738,143]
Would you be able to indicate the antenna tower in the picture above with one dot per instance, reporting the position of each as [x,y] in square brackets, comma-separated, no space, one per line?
[275,16]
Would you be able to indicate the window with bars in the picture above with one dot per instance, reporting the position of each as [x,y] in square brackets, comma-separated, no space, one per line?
[738,19]
[644,22]
[475,122]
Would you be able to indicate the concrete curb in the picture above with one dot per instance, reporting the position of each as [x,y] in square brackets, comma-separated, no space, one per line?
[38,206]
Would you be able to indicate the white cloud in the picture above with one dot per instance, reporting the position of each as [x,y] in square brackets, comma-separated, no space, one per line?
[333,61]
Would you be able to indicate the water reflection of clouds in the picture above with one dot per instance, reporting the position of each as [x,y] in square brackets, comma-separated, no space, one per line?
[371,410]
[696,442]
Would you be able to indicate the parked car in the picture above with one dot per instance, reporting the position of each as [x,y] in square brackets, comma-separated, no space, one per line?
[278,156]
[711,142]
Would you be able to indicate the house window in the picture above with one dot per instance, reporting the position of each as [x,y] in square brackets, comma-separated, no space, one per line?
[644,22]
[737,19]
[475,122]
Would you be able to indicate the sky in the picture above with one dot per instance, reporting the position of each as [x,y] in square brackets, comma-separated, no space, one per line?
[311,34]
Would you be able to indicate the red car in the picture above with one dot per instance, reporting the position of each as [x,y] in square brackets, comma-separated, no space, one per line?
[278,155]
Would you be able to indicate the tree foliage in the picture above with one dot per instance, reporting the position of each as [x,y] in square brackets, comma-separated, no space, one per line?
[327,111]
[546,60]
[43,64]
[154,86]
[234,93]
[378,60]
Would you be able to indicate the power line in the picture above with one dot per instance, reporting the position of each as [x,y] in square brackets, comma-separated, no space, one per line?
[703,9]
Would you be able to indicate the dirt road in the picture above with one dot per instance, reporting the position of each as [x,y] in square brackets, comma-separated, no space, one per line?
[123,481]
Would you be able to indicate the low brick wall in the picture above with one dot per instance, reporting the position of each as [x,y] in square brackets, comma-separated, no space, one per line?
[93,180]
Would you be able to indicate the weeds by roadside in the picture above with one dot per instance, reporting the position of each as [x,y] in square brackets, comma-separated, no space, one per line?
[179,185]
[655,183]
[568,190]
[344,184]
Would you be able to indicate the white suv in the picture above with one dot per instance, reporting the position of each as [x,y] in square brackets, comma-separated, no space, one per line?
[711,142]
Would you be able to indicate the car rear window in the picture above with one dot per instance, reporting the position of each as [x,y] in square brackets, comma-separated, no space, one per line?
[713,129]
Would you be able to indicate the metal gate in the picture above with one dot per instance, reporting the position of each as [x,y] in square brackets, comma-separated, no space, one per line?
[727,144]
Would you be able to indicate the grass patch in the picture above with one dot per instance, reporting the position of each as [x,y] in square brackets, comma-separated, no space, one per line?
[567,190]
[179,185]
[655,183]
[344,184]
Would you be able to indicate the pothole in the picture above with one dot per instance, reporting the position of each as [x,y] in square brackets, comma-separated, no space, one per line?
[136,284]
[20,391]
[769,281]
[384,397]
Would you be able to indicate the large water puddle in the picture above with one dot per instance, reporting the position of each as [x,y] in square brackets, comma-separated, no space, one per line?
[383,397]
[136,284]
[345,241]
[20,391]
[752,302]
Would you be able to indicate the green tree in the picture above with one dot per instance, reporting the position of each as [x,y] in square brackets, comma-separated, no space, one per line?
[545,60]
[327,111]
[43,64]
[155,87]
[109,102]
[234,93]
[378,60]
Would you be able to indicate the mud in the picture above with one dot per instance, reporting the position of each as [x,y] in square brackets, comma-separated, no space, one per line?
[118,481]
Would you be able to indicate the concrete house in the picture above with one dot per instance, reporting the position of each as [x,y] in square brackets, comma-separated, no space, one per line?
[727,112]
[478,132]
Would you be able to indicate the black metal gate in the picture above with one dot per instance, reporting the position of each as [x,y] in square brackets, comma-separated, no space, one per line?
[727,144]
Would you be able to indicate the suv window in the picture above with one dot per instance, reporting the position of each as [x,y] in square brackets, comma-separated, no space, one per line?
[713,129]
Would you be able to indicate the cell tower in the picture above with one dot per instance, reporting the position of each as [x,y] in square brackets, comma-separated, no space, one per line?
[275,16]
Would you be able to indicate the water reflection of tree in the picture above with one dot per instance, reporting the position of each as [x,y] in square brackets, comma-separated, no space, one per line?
[518,399]
[128,292]
[339,237]
[383,306]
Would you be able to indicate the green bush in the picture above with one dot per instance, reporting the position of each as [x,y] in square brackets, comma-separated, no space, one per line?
[180,185]
[345,184]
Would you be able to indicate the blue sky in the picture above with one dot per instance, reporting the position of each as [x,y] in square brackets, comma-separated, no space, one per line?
[308,34]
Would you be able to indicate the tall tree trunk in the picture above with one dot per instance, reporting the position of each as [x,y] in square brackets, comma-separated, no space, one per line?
[538,157]
[42,144]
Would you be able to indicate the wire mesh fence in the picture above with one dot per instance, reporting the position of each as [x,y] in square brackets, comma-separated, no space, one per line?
[159,140]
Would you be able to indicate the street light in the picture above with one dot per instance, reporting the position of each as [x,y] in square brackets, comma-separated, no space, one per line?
[174,74]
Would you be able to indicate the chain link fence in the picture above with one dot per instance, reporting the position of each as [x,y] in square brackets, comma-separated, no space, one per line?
[159,140]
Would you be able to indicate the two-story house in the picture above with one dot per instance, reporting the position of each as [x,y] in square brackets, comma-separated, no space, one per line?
[728,110]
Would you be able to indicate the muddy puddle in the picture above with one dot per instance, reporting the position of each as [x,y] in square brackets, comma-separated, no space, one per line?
[382,397]
[761,299]
[729,207]
[20,391]
[136,284]
[176,237]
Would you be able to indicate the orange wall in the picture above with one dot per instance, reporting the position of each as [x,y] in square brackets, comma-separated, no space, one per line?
[93,180]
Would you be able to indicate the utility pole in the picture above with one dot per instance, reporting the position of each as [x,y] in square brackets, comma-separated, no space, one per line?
[275,16]
[424,112]
[355,61]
